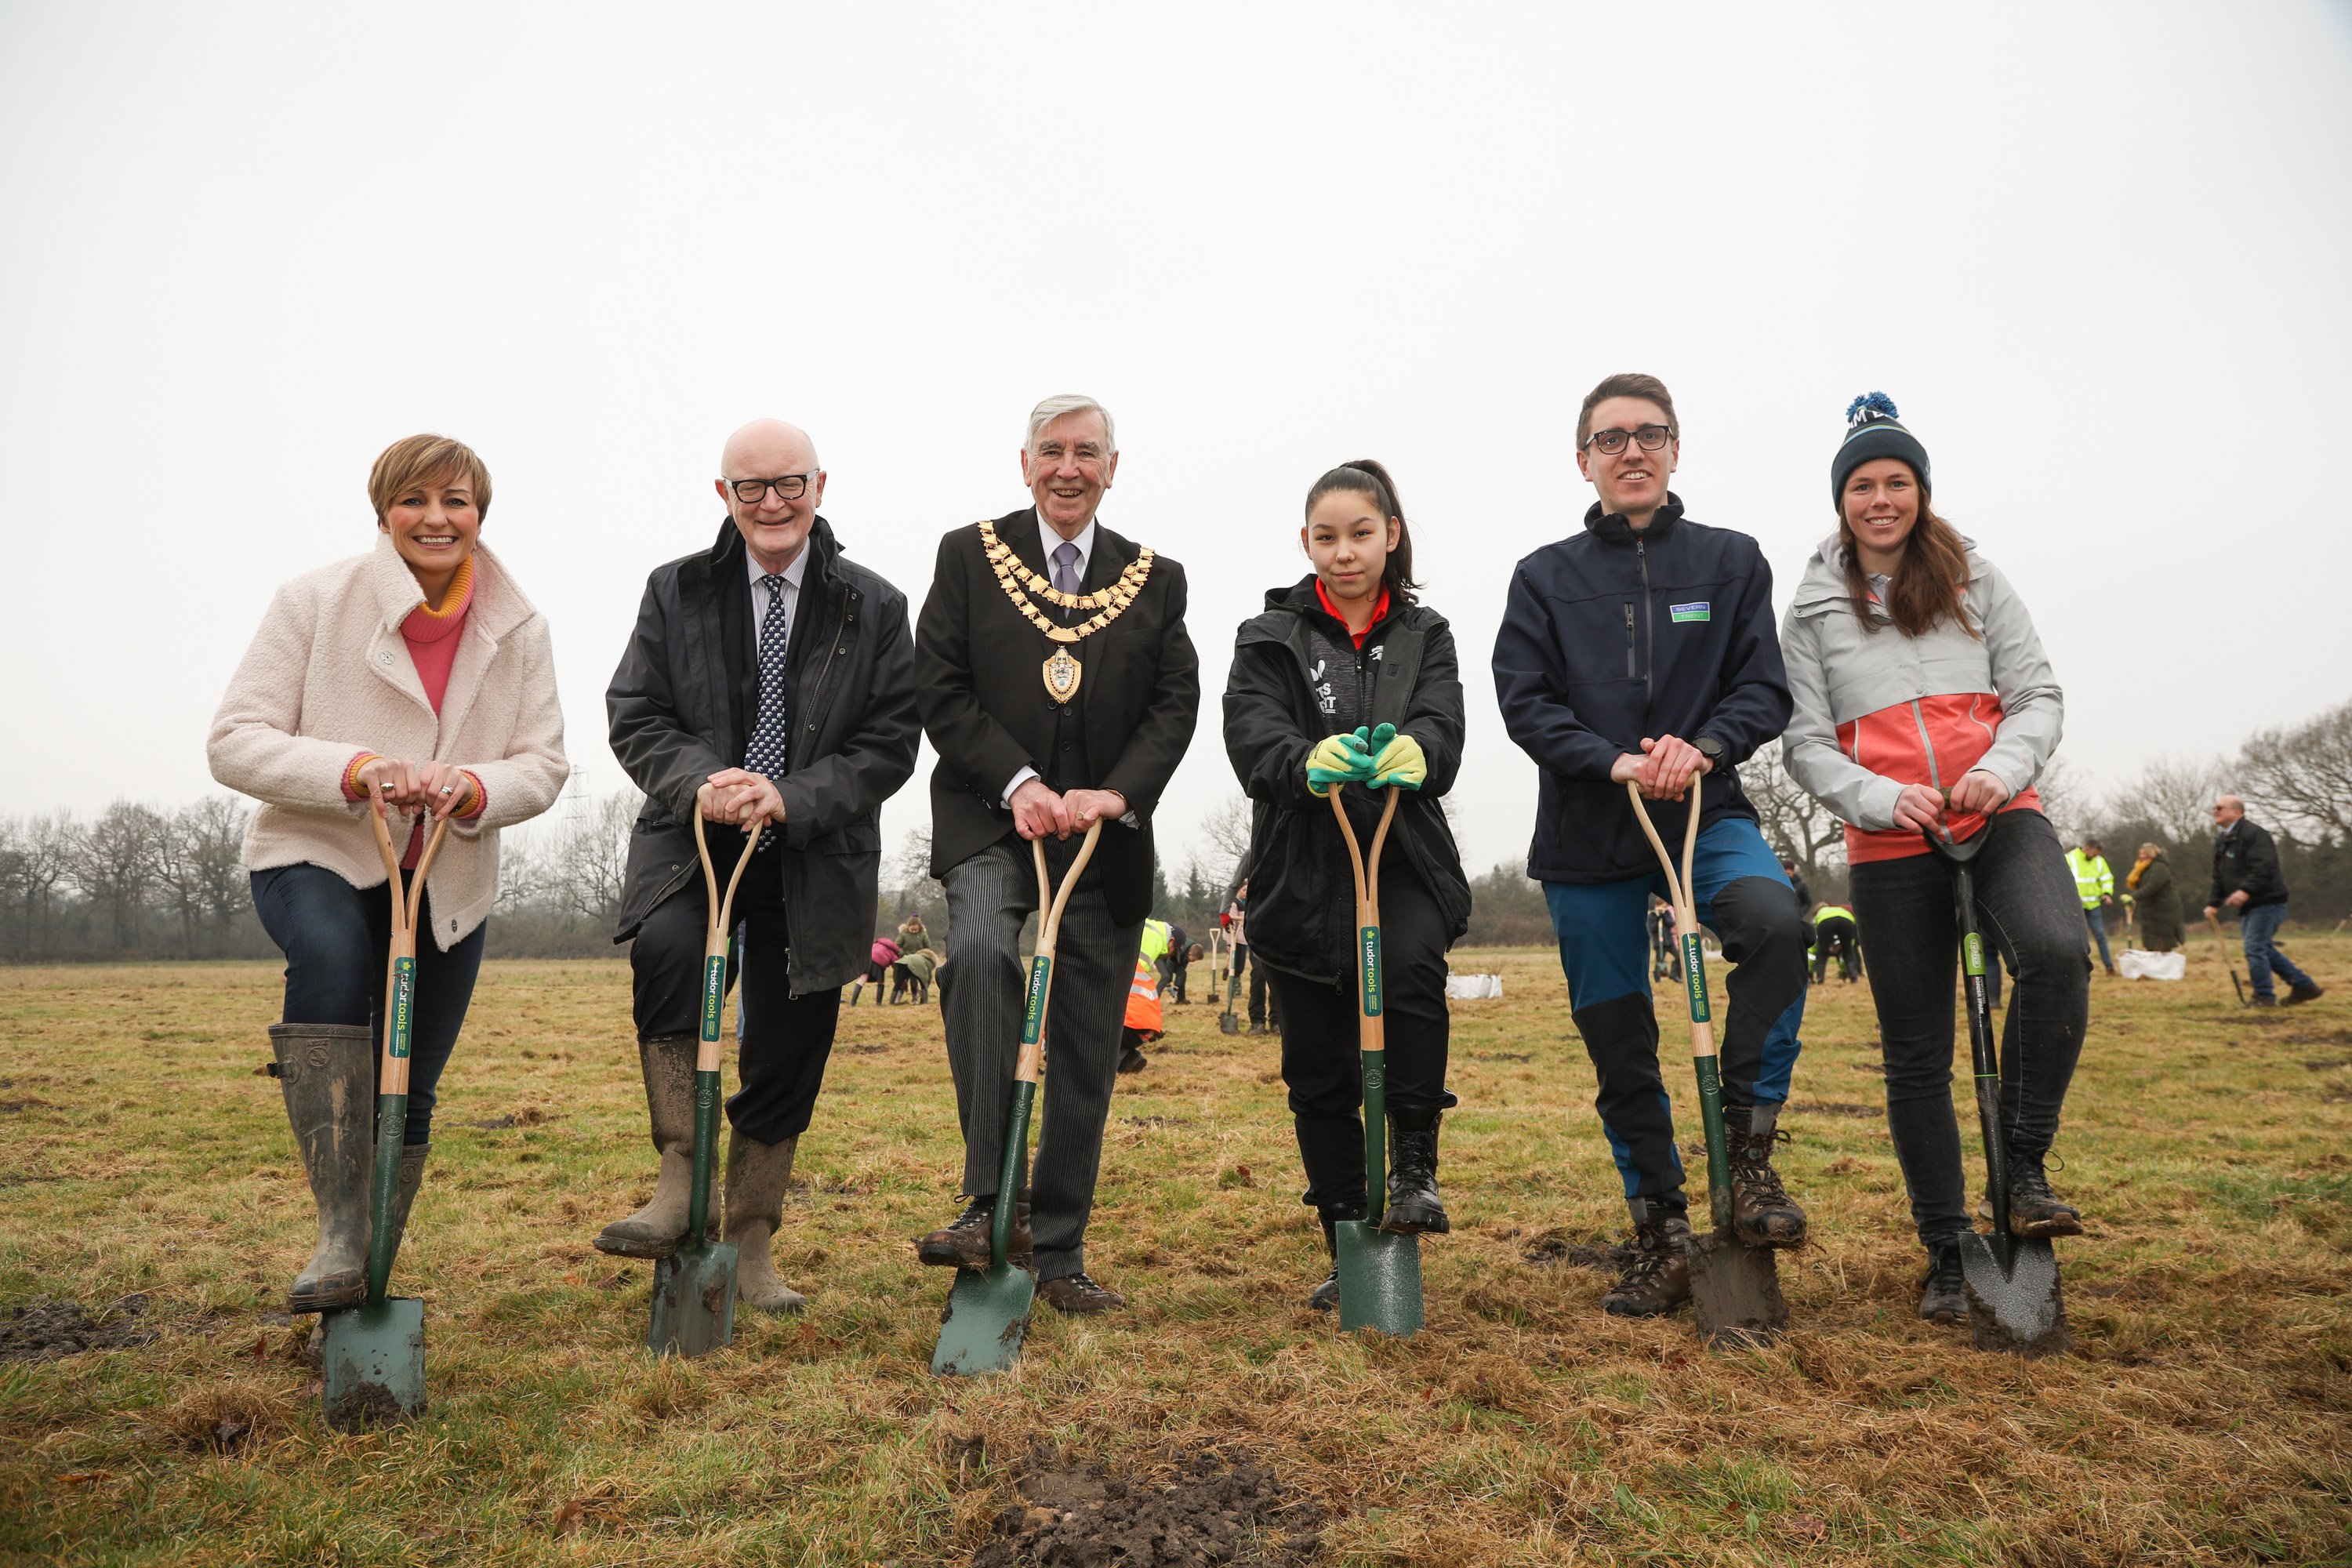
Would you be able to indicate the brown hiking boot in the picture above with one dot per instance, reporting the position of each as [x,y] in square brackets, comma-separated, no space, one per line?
[1657,1276]
[964,1244]
[1079,1297]
[1762,1212]
[2307,990]
[2034,1211]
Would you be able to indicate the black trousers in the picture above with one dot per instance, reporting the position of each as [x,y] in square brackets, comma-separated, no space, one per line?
[784,1040]
[2028,912]
[1322,1048]
[1835,937]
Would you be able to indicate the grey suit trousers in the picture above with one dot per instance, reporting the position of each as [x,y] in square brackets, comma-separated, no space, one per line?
[990,895]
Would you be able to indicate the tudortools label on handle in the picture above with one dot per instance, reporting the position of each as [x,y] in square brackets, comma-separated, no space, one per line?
[714,993]
[1369,963]
[1033,1019]
[1694,977]
[404,1005]
[1972,954]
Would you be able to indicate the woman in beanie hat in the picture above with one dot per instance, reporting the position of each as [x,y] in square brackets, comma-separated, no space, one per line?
[1914,665]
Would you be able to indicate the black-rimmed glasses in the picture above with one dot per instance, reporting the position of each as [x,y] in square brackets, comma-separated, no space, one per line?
[790,486]
[1648,438]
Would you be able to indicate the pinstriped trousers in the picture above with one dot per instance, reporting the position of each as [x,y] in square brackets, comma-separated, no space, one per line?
[985,986]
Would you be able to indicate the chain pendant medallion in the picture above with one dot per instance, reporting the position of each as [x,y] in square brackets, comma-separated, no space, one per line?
[1062,674]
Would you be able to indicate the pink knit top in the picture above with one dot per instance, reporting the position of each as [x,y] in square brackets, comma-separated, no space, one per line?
[433,638]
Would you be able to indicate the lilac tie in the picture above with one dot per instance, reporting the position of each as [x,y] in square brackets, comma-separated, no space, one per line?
[1065,568]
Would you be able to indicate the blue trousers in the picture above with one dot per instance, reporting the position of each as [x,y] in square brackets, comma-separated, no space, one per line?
[2097,918]
[2260,926]
[337,939]
[1745,898]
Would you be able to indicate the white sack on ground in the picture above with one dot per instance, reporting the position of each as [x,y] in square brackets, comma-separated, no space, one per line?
[1474,987]
[2136,964]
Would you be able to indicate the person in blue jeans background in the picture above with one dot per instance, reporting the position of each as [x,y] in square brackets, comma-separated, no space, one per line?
[2247,878]
[1643,649]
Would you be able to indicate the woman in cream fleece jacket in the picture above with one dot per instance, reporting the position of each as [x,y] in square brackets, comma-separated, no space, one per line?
[417,675]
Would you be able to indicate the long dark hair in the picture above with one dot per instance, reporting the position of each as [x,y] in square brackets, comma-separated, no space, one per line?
[1365,476]
[1928,585]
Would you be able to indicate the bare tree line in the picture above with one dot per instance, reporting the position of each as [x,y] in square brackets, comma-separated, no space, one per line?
[139,881]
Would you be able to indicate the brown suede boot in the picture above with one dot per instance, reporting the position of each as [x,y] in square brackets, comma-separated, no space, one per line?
[655,1230]
[757,1175]
[1657,1278]
[328,1074]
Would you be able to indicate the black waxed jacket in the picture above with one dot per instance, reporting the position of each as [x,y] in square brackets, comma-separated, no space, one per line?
[681,705]
[1302,916]
[1611,636]
[2245,859]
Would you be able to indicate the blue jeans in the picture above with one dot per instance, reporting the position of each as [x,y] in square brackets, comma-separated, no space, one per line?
[337,939]
[2260,926]
[2097,918]
[1604,949]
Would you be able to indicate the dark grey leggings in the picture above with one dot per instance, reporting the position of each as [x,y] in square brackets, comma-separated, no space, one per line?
[2028,909]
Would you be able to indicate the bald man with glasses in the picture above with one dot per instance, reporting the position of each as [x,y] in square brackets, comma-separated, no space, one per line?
[769,683]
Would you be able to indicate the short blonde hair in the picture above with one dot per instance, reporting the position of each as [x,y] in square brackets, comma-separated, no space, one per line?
[422,458]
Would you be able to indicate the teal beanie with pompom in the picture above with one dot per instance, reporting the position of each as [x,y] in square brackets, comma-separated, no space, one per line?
[1871,431]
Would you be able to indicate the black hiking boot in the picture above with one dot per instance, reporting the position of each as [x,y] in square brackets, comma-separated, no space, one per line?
[2304,990]
[2034,1211]
[1324,1297]
[1941,1299]
[963,1243]
[1413,1207]
[1657,1278]
[1762,1212]
[1132,1060]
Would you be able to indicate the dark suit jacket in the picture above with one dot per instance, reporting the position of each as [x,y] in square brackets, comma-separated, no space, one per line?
[984,705]
[681,706]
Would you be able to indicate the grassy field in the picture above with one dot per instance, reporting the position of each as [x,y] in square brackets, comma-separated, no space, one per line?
[2204,1420]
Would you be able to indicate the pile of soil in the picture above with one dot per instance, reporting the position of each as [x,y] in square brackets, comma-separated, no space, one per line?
[45,1327]
[1209,1513]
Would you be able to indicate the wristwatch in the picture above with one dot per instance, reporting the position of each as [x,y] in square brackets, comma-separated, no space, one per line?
[1711,748]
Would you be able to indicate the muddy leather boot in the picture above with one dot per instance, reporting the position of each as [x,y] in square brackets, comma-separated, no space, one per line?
[757,1175]
[2034,1209]
[1413,1205]
[1762,1212]
[655,1230]
[1941,1299]
[1657,1278]
[328,1074]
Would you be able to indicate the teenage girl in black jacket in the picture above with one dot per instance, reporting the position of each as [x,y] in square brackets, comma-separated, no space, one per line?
[1343,650]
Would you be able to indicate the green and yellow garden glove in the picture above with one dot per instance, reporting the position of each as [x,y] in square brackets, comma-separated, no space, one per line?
[1337,760]
[1398,761]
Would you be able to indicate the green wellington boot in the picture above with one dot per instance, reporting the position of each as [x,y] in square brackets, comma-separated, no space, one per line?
[328,1074]
[757,1175]
[411,1176]
[655,1230]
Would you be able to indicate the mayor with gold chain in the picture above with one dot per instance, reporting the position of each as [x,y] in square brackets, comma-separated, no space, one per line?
[1049,590]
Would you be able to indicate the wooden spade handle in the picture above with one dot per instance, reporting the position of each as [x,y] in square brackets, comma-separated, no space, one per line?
[1685,905]
[717,928]
[1031,1066]
[392,1078]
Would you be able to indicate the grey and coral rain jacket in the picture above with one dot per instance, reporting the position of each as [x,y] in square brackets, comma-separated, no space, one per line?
[1877,709]
[1610,638]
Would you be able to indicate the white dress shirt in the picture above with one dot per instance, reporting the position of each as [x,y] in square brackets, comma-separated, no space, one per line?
[1050,541]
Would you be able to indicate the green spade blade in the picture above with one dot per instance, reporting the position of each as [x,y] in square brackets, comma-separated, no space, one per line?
[1735,1292]
[375,1363]
[987,1317]
[1379,1278]
[694,1299]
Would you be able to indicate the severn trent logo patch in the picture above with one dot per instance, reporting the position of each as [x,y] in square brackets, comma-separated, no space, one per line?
[1692,612]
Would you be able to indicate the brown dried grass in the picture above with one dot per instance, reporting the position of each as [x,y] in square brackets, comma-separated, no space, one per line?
[2204,1419]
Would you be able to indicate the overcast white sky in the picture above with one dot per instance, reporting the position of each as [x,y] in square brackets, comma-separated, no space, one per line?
[2100,256]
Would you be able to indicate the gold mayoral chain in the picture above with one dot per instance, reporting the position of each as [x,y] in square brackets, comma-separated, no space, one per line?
[1061,671]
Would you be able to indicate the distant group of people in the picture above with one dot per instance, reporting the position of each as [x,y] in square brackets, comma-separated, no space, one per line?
[776,690]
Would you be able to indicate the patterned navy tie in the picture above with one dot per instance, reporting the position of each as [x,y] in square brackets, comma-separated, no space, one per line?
[765,754]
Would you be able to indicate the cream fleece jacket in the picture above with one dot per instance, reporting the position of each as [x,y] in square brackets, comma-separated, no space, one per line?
[328,676]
